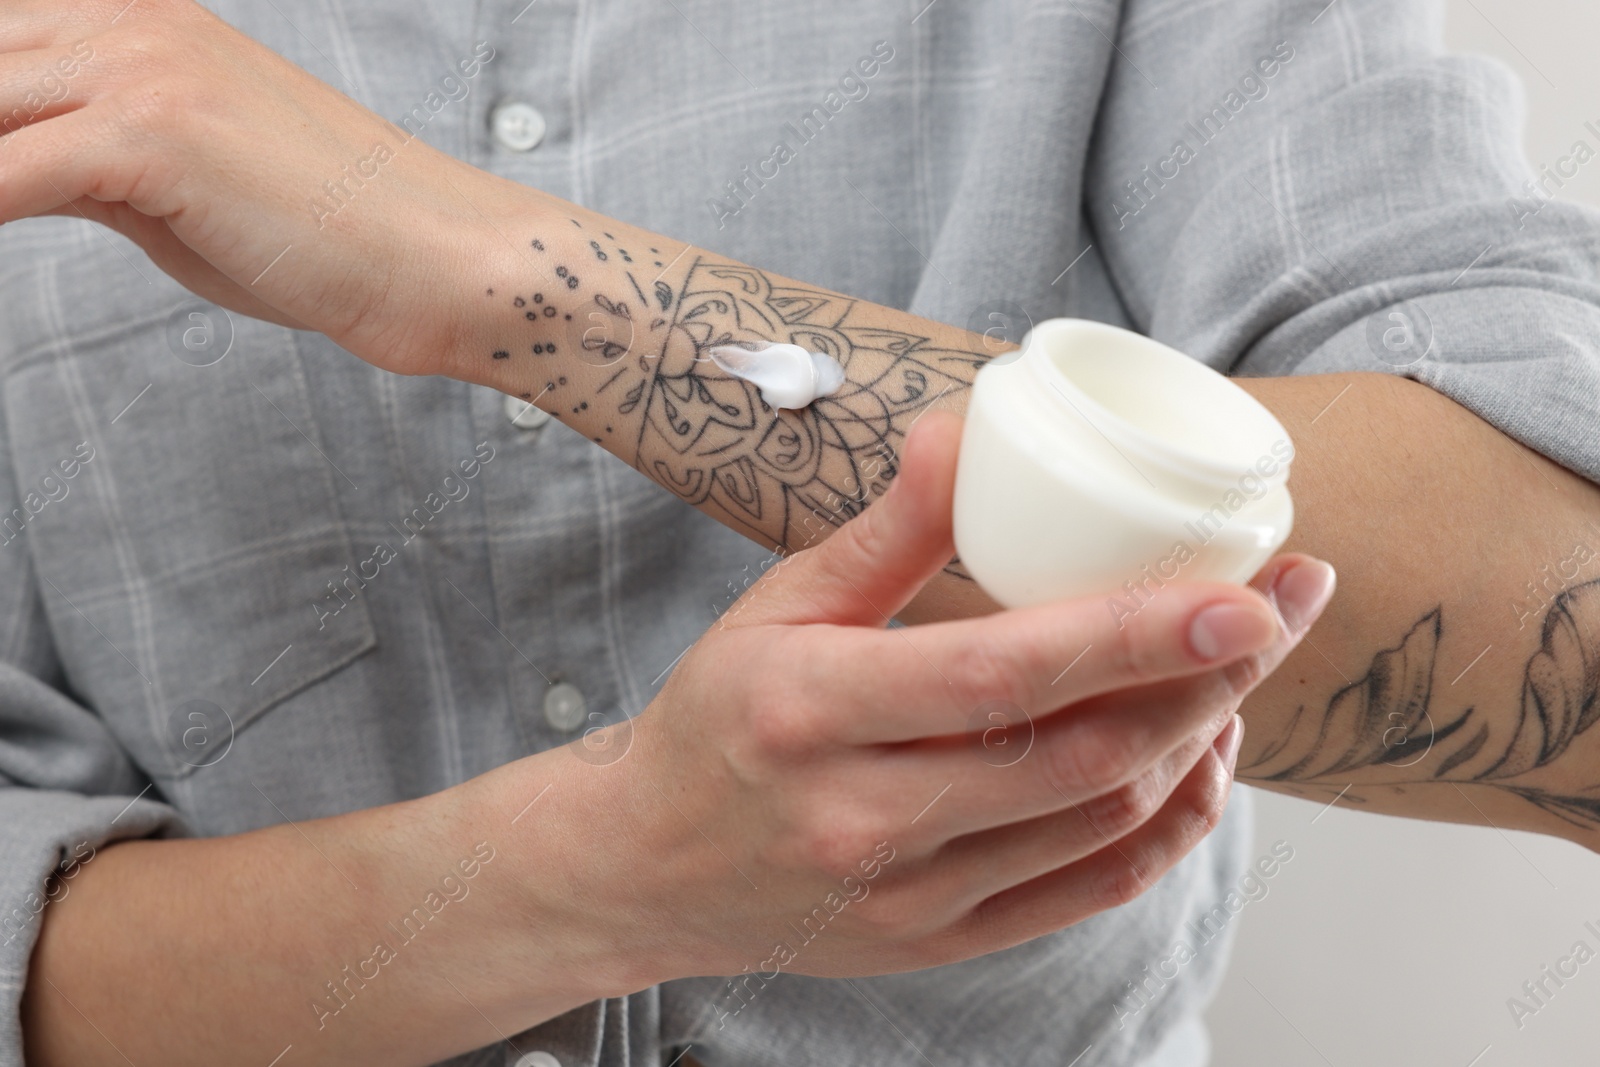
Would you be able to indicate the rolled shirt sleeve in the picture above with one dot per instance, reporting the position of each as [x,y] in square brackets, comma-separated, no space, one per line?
[67,788]
[1305,188]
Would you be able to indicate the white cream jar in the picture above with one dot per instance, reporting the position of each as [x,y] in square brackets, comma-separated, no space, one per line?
[1100,461]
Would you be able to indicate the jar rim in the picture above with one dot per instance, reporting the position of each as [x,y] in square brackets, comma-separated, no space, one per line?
[1179,416]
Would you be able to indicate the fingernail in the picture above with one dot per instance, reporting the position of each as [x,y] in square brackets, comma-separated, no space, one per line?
[1227,743]
[1227,631]
[1302,592]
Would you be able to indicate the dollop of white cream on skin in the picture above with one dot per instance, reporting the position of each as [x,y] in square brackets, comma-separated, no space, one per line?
[787,375]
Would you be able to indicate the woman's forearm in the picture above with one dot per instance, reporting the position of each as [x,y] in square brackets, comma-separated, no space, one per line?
[1457,674]
[1437,522]
[603,325]
[398,935]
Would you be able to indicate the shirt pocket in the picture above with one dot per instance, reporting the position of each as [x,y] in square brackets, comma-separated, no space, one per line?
[175,498]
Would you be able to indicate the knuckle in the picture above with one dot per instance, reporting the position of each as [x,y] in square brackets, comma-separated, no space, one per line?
[833,845]
[894,917]
[870,537]
[780,726]
[980,672]
[1122,883]
[1192,814]
[1087,762]
[938,893]
[1243,675]
[994,923]
[781,712]
[142,48]
[146,49]
[1202,809]
[1125,808]
[1133,651]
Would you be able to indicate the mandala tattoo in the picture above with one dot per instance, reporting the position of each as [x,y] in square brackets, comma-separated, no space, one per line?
[782,476]
[1386,719]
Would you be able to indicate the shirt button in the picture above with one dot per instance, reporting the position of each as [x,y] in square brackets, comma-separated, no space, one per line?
[523,415]
[517,126]
[537,1059]
[564,707]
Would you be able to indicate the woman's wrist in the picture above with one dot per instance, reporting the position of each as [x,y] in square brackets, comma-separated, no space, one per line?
[468,310]
[385,935]
[571,919]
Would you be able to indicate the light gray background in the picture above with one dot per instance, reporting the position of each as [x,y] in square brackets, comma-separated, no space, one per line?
[1393,942]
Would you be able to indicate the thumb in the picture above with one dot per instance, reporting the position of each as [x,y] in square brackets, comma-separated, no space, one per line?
[874,564]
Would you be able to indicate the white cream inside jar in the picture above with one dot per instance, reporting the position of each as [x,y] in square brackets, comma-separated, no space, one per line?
[1101,461]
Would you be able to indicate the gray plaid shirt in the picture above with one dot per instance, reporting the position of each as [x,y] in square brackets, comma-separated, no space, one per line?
[185,494]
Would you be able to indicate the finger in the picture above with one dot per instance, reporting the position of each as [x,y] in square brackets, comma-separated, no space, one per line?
[41,83]
[51,163]
[50,25]
[1111,739]
[60,166]
[1298,587]
[973,867]
[1092,754]
[874,564]
[175,258]
[1018,768]
[939,679]
[1116,875]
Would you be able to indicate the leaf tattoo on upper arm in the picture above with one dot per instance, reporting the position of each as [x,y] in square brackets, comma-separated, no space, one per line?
[1386,718]
[1561,688]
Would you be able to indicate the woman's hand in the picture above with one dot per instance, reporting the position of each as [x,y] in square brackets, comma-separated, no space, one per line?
[924,794]
[210,151]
